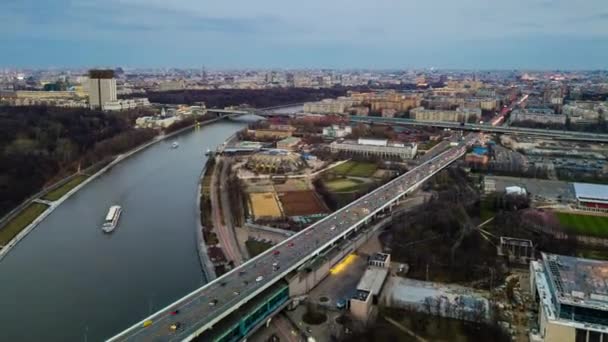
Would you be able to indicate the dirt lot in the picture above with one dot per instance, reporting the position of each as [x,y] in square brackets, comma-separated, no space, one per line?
[265,205]
[301,203]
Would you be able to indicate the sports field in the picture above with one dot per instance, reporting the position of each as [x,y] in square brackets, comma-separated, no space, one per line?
[584,224]
[344,185]
[355,169]
[301,203]
[265,205]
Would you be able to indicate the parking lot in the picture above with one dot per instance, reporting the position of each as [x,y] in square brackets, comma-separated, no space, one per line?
[540,189]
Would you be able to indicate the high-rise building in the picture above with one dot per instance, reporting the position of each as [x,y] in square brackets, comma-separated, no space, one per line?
[572,298]
[102,88]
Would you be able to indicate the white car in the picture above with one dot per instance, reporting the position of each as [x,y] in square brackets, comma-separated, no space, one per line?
[332,228]
[258,279]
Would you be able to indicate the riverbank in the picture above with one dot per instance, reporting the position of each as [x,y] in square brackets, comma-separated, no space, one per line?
[201,246]
[54,204]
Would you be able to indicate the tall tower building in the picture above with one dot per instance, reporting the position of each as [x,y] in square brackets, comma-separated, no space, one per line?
[102,88]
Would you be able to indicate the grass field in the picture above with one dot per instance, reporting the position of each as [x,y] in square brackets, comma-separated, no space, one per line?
[584,224]
[62,190]
[343,185]
[264,204]
[592,254]
[355,169]
[255,247]
[22,220]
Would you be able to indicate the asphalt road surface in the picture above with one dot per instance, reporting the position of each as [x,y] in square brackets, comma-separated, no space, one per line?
[226,293]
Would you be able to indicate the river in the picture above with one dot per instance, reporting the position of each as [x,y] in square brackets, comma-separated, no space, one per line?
[67,281]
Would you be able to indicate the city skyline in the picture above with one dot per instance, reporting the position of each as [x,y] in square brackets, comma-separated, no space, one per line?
[270,34]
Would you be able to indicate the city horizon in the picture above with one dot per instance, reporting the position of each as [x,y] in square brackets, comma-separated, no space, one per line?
[317,171]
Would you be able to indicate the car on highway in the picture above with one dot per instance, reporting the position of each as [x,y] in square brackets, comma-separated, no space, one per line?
[174,312]
[333,227]
[213,302]
[291,244]
[175,326]
[276,252]
[259,279]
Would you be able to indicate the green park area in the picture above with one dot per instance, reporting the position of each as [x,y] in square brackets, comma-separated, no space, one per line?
[343,184]
[584,224]
[19,222]
[62,190]
[355,169]
[255,247]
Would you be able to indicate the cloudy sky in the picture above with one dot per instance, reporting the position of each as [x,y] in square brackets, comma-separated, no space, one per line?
[476,34]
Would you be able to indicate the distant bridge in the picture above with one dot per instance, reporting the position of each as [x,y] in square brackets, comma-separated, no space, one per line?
[264,112]
[562,135]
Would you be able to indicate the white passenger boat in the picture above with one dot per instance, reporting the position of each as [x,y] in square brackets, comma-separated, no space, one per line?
[111,219]
[175,144]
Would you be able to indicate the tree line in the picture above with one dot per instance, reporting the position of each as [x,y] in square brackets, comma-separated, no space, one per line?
[257,98]
[40,145]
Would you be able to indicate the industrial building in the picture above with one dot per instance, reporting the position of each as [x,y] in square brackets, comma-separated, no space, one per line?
[375,147]
[369,287]
[572,295]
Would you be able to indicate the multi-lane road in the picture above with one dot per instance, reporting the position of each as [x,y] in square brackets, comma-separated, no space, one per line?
[206,306]
[489,128]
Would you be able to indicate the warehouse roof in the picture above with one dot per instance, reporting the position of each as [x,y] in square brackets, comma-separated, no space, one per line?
[373,279]
[591,192]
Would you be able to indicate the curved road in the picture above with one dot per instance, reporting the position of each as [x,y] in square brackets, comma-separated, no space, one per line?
[67,281]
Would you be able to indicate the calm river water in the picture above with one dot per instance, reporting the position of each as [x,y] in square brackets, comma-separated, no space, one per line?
[67,281]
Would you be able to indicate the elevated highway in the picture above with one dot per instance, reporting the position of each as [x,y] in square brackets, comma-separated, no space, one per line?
[562,135]
[203,309]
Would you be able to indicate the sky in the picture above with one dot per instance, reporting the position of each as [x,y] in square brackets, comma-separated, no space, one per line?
[371,34]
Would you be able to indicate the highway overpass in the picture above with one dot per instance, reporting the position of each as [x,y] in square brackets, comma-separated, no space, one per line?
[561,135]
[202,310]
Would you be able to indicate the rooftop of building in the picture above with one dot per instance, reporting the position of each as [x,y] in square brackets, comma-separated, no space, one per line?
[578,281]
[589,191]
[289,140]
[246,143]
[361,295]
[379,256]
[516,242]
[366,143]
[373,279]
